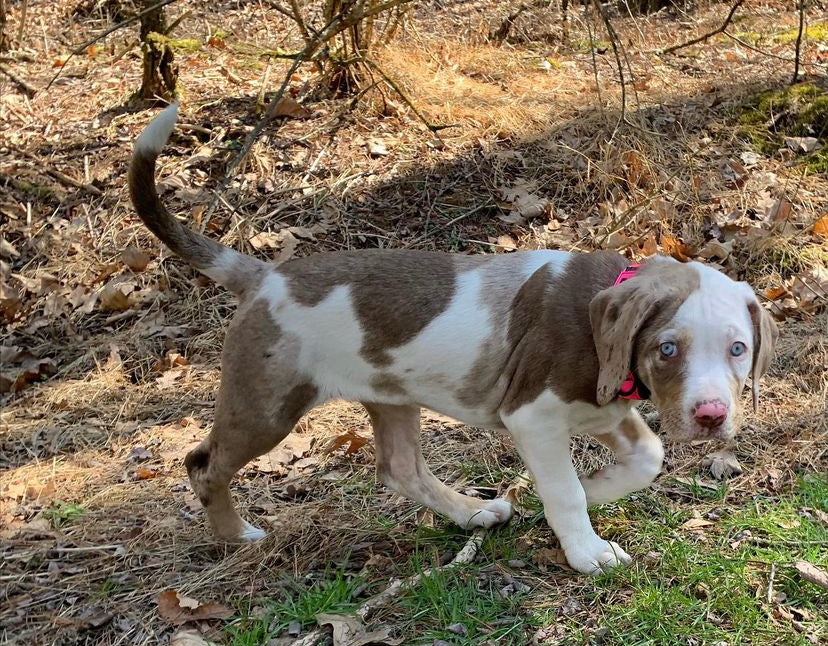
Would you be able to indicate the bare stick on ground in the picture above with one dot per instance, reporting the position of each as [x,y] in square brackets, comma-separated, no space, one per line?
[382,600]
[704,37]
[799,40]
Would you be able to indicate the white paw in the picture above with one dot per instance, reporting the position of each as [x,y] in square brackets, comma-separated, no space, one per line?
[596,555]
[251,533]
[493,512]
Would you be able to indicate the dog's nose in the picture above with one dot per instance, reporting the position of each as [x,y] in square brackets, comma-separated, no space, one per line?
[710,413]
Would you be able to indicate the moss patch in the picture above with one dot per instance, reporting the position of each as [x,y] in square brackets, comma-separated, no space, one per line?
[817,32]
[797,111]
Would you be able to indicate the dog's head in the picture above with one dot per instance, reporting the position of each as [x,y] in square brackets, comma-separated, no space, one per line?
[692,335]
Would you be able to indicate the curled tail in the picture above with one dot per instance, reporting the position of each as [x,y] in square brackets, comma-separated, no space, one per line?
[229,268]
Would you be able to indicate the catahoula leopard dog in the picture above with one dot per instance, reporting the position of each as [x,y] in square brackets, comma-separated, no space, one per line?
[539,344]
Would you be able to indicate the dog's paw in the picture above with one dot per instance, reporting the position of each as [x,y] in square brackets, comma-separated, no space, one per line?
[491,513]
[596,556]
[250,533]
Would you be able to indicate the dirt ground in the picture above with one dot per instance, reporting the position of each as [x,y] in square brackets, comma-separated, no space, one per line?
[111,357]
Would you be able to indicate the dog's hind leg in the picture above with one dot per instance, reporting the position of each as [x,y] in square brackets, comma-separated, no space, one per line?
[639,454]
[400,464]
[260,400]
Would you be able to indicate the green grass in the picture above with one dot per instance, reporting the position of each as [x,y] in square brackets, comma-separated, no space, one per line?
[302,603]
[62,513]
[713,589]
[695,586]
[460,596]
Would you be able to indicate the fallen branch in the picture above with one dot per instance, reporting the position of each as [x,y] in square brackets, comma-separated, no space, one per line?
[703,37]
[384,598]
[63,178]
[812,573]
[28,90]
[398,586]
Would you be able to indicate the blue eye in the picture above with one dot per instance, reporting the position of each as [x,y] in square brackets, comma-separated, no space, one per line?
[668,349]
[738,349]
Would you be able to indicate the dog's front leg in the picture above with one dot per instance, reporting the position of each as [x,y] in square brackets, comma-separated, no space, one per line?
[539,431]
[639,454]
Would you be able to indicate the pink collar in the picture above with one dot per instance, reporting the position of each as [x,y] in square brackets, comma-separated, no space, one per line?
[632,387]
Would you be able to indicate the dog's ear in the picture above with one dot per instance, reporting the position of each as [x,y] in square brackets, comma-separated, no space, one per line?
[617,314]
[765,335]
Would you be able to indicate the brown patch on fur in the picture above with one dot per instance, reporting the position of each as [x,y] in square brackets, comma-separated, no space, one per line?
[550,333]
[501,277]
[663,376]
[765,335]
[395,293]
[388,384]
[260,399]
[618,316]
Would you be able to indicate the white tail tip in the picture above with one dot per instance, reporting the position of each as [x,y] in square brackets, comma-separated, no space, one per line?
[151,141]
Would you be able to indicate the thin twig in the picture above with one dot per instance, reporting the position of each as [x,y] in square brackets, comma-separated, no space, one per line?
[82,47]
[799,41]
[718,30]
[615,41]
[393,85]
[28,90]
[58,175]
[337,25]
[384,598]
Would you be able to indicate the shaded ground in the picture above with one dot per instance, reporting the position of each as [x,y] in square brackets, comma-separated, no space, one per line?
[97,517]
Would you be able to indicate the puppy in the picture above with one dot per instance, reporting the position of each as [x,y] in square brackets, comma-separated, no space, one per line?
[539,344]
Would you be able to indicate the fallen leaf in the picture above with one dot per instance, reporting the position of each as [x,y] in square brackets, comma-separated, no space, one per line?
[31,369]
[263,239]
[812,573]
[143,473]
[775,293]
[821,227]
[696,523]
[672,246]
[550,556]
[135,259]
[139,454]
[524,202]
[780,211]
[351,439]
[376,147]
[350,631]
[114,297]
[715,250]
[803,144]
[506,242]
[290,449]
[177,609]
[288,107]
[167,380]
[187,637]
[722,464]
[733,173]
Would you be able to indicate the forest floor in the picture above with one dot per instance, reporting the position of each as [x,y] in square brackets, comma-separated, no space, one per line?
[110,352]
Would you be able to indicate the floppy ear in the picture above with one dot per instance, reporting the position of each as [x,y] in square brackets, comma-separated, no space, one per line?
[765,334]
[617,314]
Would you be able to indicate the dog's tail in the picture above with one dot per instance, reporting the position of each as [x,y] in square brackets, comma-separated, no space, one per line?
[229,268]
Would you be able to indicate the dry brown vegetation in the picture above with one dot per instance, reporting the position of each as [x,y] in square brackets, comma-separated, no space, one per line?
[110,357]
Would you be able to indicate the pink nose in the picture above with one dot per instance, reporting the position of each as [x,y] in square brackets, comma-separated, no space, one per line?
[710,413]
